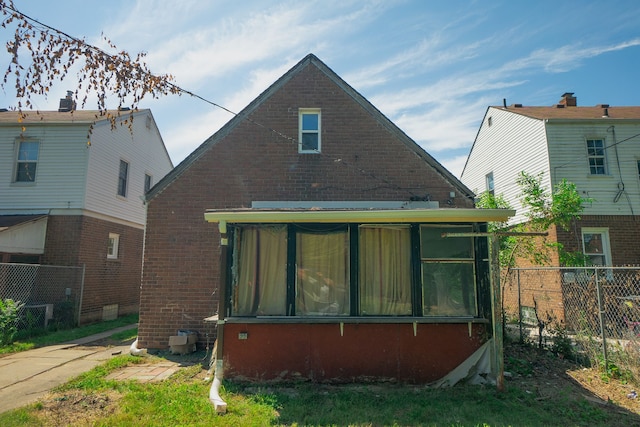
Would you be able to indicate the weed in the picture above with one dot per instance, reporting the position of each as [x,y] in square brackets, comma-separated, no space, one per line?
[9,311]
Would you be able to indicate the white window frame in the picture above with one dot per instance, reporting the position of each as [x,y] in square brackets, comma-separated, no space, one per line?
[489,182]
[18,162]
[113,246]
[144,185]
[125,190]
[591,156]
[606,246]
[301,113]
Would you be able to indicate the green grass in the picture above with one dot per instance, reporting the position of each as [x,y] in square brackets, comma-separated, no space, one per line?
[182,400]
[57,337]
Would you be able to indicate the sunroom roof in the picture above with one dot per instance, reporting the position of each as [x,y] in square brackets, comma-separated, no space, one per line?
[356,215]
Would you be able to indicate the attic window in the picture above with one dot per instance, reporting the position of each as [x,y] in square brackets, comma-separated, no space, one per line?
[490,120]
[309,130]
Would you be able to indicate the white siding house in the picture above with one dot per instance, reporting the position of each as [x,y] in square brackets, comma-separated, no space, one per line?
[597,148]
[60,179]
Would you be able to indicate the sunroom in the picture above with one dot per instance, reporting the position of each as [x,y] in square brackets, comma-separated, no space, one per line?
[326,294]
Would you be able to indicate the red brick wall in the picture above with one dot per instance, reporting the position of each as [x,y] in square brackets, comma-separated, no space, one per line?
[327,352]
[360,160]
[624,235]
[82,240]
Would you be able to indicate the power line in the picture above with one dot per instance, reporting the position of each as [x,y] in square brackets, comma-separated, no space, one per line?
[174,88]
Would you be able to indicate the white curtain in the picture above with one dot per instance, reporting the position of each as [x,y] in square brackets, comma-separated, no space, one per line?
[260,271]
[322,280]
[385,270]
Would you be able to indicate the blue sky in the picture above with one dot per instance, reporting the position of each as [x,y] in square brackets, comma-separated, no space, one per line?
[432,67]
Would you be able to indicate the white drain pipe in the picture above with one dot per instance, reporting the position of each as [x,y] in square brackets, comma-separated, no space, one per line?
[214,392]
[135,351]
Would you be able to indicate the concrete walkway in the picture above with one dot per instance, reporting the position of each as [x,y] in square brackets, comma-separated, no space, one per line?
[27,376]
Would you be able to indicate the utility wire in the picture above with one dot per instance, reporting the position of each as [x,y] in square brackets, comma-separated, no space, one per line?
[177,89]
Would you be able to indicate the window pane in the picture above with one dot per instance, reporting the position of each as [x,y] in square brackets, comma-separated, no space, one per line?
[593,243]
[28,151]
[122,178]
[26,172]
[309,141]
[448,289]
[385,271]
[259,271]
[322,280]
[310,122]
[434,246]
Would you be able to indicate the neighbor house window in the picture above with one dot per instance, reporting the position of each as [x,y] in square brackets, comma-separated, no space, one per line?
[147,182]
[596,156]
[340,270]
[112,246]
[27,161]
[309,131]
[595,244]
[489,183]
[123,177]
[448,278]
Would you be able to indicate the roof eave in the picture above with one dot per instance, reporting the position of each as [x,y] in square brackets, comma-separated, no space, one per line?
[253,216]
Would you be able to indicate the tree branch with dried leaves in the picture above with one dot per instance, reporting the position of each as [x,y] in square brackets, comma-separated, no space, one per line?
[42,55]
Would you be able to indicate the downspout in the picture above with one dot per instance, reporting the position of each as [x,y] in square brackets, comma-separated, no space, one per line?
[135,351]
[214,392]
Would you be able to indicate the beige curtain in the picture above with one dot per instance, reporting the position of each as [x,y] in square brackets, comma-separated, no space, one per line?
[322,280]
[385,270]
[260,272]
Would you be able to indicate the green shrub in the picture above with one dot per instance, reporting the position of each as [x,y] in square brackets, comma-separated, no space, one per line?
[9,311]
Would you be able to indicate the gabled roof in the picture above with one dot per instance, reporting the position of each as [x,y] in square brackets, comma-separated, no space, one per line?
[574,113]
[307,61]
[54,117]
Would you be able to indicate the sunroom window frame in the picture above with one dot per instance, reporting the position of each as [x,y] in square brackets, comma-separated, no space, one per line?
[354,271]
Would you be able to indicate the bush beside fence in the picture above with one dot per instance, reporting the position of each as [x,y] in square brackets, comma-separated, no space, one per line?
[50,296]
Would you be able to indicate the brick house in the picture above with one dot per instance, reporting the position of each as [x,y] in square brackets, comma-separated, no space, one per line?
[65,201]
[594,147]
[260,230]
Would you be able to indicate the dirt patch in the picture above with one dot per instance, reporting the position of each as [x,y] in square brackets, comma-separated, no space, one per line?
[76,408]
[546,375]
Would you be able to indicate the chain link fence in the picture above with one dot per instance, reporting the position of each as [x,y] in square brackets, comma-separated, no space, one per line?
[50,295]
[597,308]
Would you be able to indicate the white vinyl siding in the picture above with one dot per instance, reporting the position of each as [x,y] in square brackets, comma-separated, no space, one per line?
[74,175]
[512,144]
[145,156]
[61,169]
[569,161]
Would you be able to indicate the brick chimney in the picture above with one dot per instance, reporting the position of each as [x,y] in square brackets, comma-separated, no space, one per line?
[67,104]
[568,100]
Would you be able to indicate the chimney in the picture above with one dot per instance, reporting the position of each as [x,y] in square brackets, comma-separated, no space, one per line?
[568,100]
[66,103]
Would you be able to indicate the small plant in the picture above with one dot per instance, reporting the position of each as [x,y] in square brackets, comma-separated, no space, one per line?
[9,312]
[561,343]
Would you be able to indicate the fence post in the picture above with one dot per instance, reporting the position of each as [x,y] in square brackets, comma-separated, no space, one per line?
[602,322]
[497,319]
[520,309]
